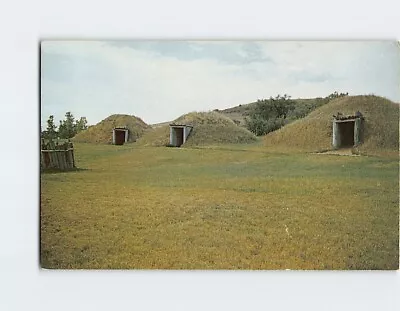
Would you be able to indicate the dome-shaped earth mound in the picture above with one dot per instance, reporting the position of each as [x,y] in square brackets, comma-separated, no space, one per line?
[314,132]
[209,128]
[101,133]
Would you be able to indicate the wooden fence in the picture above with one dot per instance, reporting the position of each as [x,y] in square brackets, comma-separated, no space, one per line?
[57,156]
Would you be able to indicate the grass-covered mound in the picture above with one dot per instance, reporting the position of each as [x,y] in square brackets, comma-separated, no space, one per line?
[314,132]
[209,128]
[101,133]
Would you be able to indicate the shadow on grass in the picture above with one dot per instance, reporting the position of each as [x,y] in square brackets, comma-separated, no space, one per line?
[55,170]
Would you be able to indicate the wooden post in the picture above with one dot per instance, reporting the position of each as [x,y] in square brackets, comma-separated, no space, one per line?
[51,157]
[73,158]
[55,159]
[59,160]
[64,156]
[63,160]
[68,158]
[71,155]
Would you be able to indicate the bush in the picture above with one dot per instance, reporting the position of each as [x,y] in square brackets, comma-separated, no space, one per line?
[269,114]
[260,126]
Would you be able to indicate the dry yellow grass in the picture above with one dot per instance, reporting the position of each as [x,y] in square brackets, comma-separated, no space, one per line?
[102,131]
[314,132]
[209,128]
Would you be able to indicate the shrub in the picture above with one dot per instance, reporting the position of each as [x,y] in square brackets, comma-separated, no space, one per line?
[269,114]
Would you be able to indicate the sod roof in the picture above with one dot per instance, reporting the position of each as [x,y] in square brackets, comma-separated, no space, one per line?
[102,132]
[314,132]
[209,128]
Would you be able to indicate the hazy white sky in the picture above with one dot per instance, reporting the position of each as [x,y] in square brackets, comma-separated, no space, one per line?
[161,80]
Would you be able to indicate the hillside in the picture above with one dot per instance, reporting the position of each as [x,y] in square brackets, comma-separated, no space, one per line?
[209,128]
[303,106]
[314,132]
[102,132]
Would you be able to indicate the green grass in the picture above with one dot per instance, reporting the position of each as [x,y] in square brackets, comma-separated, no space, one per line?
[226,207]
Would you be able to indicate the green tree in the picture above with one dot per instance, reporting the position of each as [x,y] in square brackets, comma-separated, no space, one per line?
[67,127]
[51,130]
[80,125]
[269,114]
[61,130]
[337,95]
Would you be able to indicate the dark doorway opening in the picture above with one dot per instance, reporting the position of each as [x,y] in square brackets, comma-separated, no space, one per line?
[179,136]
[119,137]
[346,132]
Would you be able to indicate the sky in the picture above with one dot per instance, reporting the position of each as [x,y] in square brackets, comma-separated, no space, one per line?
[159,81]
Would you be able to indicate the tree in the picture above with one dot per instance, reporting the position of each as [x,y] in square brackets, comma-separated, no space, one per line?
[271,108]
[337,95]
[61,130]
[67,127]
[269,114]
[80,125]
[51,130]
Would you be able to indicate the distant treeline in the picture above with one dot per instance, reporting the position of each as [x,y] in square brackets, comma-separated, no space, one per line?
[67,128]
[271,114]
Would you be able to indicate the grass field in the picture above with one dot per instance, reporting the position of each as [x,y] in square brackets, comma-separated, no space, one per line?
[234,207]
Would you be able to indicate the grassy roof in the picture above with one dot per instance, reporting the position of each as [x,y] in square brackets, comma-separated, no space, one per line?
[314,132]
[102,132]
[209,128]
